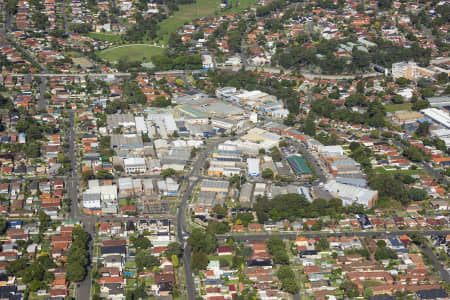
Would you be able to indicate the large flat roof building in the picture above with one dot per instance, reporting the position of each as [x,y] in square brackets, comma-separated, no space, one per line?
[438,116]
[253,167]
[299,165]
[352,194]
[440,101]
[218,186]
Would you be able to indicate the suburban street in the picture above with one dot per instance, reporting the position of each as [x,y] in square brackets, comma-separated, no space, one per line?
[437,264]
[192,180]
[426,166]
[380,234]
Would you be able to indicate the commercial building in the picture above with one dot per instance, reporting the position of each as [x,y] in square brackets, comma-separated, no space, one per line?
[135,165]
[126,141]
[168,187]
[126,121]
[245,196]
[299,166]
[218,186]
[141,125]
[439,102]
[253,167]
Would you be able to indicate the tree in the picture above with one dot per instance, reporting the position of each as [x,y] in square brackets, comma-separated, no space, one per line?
[33,271]
[36,285]
[280,257]
[290,119]
[46,262]
[350,289]
[423,129]
[220,210]
[161,101]
[75,272]
[44,221]
[323,244]
[17,266]
[77,255]
[173,248]
[385,4]
[417,238]
[87,175]
[309,127]
[442,78]
[179,82]
[267,173]
[413,154]
[141,242]
[285,272]
[367,293]
[383,253]
[246,252]
[145,260]
[199,261]
[427,92]
[275,154]
[381,244]
[245,218]
[175,261]
[202,242]
[168,173]
[416,194]
[3,225]
[290,285]
[397,99]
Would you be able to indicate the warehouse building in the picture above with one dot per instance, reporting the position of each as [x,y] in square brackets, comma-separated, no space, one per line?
[438,116]
[125,121]
[141,125]
[246,194]
[439,102]
[126,141]
[218,186]
[299,166]
[253,167]
[352,194]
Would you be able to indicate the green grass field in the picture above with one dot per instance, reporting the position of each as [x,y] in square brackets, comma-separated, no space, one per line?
[133,52]
[105,36]
[397,107]
[200,9]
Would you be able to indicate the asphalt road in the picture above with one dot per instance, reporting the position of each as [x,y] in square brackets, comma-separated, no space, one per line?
[42,102]
[311,160]
[83,290]
[437,264]
[192,180]
[64,15]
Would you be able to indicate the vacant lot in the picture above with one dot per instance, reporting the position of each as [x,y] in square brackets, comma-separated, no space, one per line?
[397,107]
[394,171]
[200,9]
[139,52]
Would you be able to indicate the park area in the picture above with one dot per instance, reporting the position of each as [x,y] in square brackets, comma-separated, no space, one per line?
[136,52]
[197,10]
